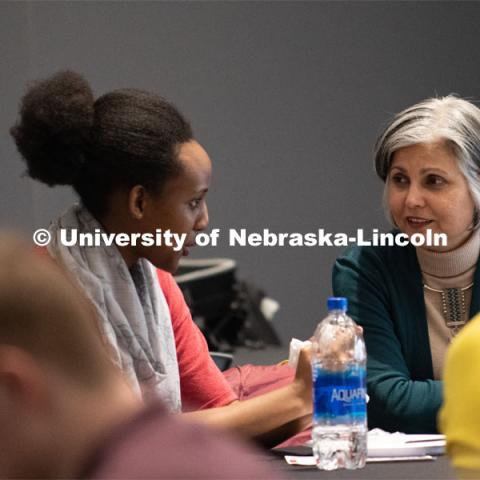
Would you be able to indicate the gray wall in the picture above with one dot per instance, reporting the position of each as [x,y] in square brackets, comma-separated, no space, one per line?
[287,97]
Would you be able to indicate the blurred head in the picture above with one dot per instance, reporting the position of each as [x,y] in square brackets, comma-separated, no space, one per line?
[429,159]
[55,374]
[124,154]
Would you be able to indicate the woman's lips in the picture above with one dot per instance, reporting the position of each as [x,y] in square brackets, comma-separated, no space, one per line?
[418,222]
[186,249]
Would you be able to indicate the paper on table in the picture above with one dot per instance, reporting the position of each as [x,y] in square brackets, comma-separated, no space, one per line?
[310,461]
[398,445]
[385,444]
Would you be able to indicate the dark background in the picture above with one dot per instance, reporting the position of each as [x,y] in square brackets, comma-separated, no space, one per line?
[287,97]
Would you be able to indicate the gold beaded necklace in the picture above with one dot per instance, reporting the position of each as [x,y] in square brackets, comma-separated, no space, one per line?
[453,306]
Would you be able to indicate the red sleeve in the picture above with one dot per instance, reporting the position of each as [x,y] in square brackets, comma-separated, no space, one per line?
[201,382]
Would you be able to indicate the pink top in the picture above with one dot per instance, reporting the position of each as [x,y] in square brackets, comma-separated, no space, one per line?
[201,382]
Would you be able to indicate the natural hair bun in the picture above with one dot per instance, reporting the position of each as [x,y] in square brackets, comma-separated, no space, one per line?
[52,134]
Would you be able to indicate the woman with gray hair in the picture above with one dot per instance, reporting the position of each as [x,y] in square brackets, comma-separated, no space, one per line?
[411,301]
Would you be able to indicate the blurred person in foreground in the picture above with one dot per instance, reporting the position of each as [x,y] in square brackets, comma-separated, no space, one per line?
[460,413]
[66,411]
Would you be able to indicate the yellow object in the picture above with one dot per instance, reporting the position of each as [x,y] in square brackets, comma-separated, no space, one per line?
[459,417]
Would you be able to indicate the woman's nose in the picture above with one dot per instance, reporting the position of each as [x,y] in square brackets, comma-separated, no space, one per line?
[203,219]
[414,198]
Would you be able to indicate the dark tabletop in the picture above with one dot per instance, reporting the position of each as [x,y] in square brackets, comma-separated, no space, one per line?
[438,469]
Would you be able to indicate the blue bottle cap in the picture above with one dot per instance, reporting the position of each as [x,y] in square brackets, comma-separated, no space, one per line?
[337,303]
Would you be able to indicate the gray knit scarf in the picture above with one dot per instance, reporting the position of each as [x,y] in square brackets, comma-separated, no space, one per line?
[134,315]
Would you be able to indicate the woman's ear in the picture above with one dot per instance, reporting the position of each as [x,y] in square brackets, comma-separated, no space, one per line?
[137,199]
[22,380]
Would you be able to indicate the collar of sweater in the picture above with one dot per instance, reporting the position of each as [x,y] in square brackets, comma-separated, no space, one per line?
[452,263]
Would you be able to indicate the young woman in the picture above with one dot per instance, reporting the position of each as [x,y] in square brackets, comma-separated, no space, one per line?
[137,168]
[412,301]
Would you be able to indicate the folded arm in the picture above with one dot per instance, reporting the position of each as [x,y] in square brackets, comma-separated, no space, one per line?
[397,402]
[268,418]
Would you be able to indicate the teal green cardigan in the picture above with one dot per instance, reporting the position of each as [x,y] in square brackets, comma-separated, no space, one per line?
[385,294]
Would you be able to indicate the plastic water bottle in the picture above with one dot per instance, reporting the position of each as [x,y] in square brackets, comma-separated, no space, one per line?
[339,392]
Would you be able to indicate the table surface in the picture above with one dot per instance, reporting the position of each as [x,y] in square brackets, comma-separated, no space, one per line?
[437,469]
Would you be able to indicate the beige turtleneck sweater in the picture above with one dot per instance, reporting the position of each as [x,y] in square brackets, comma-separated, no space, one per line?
[454,269]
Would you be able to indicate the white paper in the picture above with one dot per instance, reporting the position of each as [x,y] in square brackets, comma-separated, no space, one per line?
[385,444]
[391,447]
[295,346]
[310,461]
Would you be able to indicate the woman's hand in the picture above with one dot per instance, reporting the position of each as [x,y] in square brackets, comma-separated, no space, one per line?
[272,417]
[337,346]
[303,378]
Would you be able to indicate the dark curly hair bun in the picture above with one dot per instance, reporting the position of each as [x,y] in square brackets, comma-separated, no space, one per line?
[53,131]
